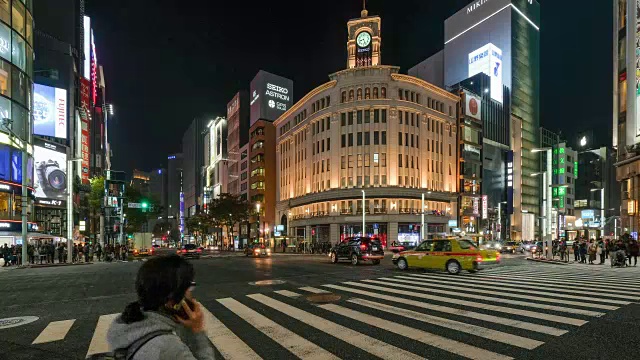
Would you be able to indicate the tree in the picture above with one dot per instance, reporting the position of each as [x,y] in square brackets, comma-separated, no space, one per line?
[228,210]
[197,225]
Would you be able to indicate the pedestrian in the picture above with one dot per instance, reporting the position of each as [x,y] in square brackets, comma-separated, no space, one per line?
[99,252]
[592,251]
[576,250]
[600,251]
[583,252]
[117,251]
[166,322]
[30,253]
[634,250]
[86,252]
[19,255]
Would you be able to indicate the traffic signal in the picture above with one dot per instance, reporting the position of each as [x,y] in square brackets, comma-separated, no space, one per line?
[145,206]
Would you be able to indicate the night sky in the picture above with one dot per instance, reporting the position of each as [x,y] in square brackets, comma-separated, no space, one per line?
[168,61]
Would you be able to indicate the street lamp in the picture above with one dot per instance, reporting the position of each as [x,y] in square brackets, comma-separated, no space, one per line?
[546,200]
[601,209]
[363,215]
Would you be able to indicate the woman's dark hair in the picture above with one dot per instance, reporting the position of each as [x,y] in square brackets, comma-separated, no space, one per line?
[159,280]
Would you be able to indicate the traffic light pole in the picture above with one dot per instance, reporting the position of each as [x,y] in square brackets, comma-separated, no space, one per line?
[122,222]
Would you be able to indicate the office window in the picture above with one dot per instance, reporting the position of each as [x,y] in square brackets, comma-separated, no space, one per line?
[322,127]
[350,161]
[400,94]
[359,139]
[359,160]
[376,116]
[400,181]
[350,122]
[367,140]
[367,116]
[412,118]
[343,119]
[343,162]
[383,116]
[406,139]
[383,159]
[367,160]
[328,123]
[322,147]
[449,149]
[328,144]
[359,116]
[400,138]
[384,180]
[376,159]
[350,137]
[399,160]
[417,141]
[412,143]
[344,140]
[343,97]
[400,117]
[384,138]
[376,138]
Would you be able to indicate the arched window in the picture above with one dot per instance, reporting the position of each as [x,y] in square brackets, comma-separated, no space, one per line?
[350,95]
[359,94]
[344,96]
[383,92]
[375,92]
[367,93]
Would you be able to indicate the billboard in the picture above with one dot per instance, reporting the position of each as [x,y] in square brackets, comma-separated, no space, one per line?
[473,105]
[86,47]
[85,91]
[50,167]
[49,111]
[271,95]
[488,60]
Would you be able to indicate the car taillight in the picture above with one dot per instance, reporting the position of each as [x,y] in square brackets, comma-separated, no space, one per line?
[498,255]
[184,251]
[199,250]
[363,246]
[479,258]
[178,252]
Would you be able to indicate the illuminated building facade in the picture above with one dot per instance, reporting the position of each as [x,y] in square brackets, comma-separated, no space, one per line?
[368,130]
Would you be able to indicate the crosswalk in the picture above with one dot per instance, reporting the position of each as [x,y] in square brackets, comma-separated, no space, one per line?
[494,315]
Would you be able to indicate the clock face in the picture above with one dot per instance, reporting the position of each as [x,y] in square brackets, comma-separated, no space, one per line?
[363,39]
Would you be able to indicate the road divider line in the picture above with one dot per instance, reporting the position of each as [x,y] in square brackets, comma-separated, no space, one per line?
[498,286]
[479,331]
[452,346]
[313,290]
[99,342]
[55,331]
[227,343]
[527,285]
[542,329]
[475,304]
[473,293]
[364,342]
[296,344]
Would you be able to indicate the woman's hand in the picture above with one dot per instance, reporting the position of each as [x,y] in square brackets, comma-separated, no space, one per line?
[195,317]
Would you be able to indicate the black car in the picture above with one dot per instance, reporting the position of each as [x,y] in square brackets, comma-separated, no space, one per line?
[190,251]
[357,249]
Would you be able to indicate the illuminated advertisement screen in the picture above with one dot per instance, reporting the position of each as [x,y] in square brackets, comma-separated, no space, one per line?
[5,163]
[49,111]
[50,167]
[271,96]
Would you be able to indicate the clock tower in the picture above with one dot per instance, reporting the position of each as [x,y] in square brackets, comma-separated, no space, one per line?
[363,46]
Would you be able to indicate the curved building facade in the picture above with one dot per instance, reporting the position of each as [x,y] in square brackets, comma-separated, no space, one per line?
[371,131]
[16,98]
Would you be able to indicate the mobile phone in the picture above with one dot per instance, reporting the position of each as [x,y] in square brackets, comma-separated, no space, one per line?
[179,309]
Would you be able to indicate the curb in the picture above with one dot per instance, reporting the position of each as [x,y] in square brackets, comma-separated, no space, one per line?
[556,262]
[37,266]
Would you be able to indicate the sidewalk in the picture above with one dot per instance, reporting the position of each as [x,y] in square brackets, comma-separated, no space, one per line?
[607,262]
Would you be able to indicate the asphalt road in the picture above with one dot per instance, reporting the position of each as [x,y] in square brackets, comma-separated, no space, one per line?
[521,310]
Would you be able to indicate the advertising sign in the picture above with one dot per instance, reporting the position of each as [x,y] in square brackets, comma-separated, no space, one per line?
[86,69]
[51,170]
[637,67]
[588,214]
[85,91]
[473,105]
[510,182]
[485,207]
[271,95]
[488,60]
[49,111]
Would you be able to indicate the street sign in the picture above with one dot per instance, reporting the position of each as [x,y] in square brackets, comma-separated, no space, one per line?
[134,205]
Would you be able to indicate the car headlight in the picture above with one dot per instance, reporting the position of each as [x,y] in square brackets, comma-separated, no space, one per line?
[256,251]
[268,250]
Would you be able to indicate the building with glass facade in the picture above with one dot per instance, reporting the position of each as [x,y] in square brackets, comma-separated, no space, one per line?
[369,141]
[16,99]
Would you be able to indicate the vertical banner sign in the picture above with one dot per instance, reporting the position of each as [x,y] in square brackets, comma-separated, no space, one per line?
[85,113]
[485,207]
[509,182]
[637,67]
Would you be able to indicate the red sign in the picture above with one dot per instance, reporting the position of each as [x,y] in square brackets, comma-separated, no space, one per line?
[85,113]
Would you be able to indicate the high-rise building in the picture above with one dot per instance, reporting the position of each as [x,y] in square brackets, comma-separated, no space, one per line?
[140,181]
[271,96]
[369,132]
[238,136]
[174,188]
[501,39]
[158,190]
[193,151]
[217,162]
[626,110]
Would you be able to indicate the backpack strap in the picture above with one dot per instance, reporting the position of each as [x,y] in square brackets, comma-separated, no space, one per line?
[138,344]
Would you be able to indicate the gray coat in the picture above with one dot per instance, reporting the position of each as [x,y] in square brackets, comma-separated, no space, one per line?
[181,345]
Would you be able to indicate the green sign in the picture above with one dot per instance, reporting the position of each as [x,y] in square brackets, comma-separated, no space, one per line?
[562,191]
[575,169]
[561,202]
[555,192]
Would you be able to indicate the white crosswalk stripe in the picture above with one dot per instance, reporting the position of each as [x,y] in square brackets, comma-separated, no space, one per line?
[494,315]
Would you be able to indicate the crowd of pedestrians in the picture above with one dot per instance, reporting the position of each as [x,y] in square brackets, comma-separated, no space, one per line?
[47,252]
[596,251]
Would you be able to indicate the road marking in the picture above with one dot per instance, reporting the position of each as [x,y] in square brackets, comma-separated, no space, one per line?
[314,290]
[479,331]
[99,342]
[288,293]
[475,304]
[364,342]
[585,284]
[55,331]
[296,344]
[564,288]
[424,337]
[431,280]
[469,293]
[583,277]
[227,343]
[455,311]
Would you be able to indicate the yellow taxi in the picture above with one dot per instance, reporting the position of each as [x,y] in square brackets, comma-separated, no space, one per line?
[451,254]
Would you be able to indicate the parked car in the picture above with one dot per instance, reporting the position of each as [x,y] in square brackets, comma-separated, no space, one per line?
[356,249]
[450,254]
[191,251]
